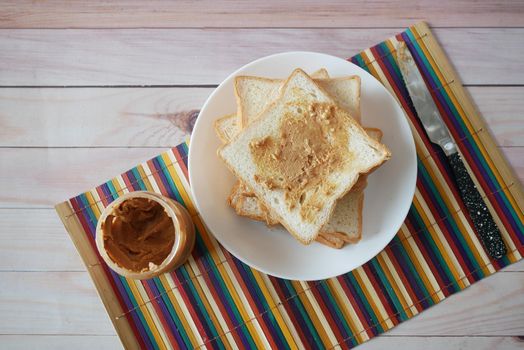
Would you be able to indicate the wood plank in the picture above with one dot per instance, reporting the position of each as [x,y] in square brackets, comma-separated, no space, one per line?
[493,306]
[35,240]
[51,303]
[77,342]
[515,158]
[87,342]
[206,56]
[502,109]
[42,177]
[438,343]
[43,236]
[66,303]
[98,117]
[515,267]
[138,117]
[226,13]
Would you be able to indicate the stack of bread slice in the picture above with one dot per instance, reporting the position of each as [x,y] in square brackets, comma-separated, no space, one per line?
[300,154]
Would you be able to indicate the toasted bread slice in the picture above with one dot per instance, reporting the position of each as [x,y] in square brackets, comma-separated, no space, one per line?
[254,94]
[346,221]
[332,241]
[345,90]
[347,216]
[322,152]
[322,73]
[344,225]
[226,127]
[246,204]
[262,91]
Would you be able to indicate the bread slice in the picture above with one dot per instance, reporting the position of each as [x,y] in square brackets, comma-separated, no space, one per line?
[346,220]
[254,94]
[344,226]
[226,127]
[257,87]
[331,161]
[345,90]
[332,241]
[247,204]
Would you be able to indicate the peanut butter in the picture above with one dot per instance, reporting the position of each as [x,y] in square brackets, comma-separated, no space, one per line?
[138,235]
[312,144]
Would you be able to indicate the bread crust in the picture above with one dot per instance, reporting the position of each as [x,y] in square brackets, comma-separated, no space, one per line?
[218,130]
[241,116]
[331,241]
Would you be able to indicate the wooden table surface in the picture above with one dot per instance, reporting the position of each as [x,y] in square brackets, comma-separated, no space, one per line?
[89,89]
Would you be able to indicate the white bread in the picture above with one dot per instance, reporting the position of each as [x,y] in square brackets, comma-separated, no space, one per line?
[345,224]
[347,216]
[226,127]
[345,91]
[246,204]
[261,92]
[254,94]
[366,154]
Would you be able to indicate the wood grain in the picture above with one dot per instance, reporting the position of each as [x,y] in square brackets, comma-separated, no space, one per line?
[78,342]
[207,56]
[98,117]
[487,308]
[502,108]
[47,299]
[272,13]
[35,240]
[102,342]
[515,267]
[138,117]
[439,343]
[66,303]
[42,177]
[51,303]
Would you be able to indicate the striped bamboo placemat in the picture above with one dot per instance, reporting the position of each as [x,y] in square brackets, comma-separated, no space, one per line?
[216,301]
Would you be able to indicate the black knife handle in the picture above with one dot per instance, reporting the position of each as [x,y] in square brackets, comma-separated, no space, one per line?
[486,228]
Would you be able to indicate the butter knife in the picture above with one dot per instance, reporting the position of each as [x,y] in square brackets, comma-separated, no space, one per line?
[438,133]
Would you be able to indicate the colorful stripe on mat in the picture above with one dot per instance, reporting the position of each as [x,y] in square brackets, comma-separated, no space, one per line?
[217,302]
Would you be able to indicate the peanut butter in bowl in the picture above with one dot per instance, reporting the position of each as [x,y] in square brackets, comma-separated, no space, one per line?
[142,235]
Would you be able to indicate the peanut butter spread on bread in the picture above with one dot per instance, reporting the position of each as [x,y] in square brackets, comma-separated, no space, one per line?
[138,232]
[312,144]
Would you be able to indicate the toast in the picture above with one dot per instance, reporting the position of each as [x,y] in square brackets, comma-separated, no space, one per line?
[226,127]
[345,90]
[254,94]
[346,219]
[301,155]
[246,204]
[269,89]
[344,226]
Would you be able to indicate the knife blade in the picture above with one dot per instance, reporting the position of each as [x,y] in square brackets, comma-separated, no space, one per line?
[438,133]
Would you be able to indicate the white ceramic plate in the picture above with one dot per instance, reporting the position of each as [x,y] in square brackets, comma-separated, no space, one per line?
[388,195]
